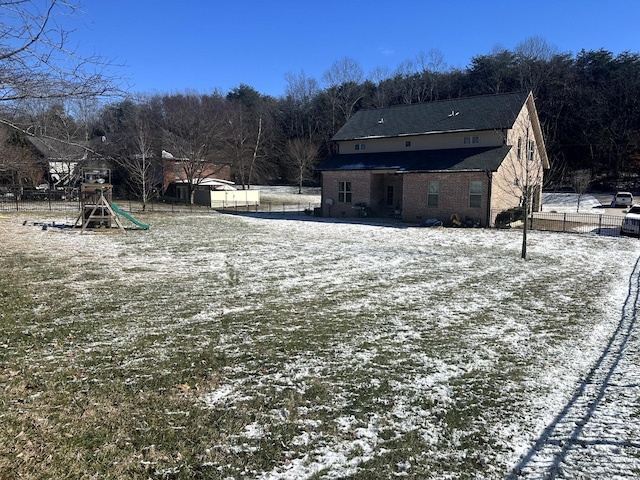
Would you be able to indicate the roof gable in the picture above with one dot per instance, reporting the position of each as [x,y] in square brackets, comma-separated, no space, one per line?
[487,112]
[52,149]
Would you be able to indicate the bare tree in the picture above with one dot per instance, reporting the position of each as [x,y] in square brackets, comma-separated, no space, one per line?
[580,180]
[62,128]
[344,87]
[39,64]
[248,126]
[432,64]
[244,138]
[379,77]
[37,59]
[18,165]
[534,57]
[521,174]
[302,153]
[192,132]
[300,94]
[407,75]
[134,145]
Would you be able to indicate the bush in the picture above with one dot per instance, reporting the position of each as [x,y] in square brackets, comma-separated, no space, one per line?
[506,217]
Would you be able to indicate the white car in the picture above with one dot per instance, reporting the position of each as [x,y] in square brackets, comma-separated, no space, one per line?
[631,223]
[623,199]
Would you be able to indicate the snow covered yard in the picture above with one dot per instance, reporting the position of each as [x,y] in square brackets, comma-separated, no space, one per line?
[218,346]
[570,203]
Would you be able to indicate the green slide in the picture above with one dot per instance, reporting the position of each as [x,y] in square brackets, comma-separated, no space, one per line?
[129,217]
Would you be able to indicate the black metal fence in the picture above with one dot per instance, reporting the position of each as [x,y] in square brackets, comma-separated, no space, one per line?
[33,202]
[577,223]
[44,202]
[556,222]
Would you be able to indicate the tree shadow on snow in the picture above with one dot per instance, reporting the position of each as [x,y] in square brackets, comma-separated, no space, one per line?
[546,457]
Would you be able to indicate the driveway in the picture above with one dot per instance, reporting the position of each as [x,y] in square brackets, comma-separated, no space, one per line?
[589,203]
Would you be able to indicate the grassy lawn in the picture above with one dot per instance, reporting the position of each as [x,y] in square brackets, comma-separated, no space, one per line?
[219,346]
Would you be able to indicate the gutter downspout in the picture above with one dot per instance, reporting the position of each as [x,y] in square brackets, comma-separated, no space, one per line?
[489,179]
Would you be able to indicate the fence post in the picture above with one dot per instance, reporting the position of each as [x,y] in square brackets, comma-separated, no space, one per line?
[564,222]
[599,224]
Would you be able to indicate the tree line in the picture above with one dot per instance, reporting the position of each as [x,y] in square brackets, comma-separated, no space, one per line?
[588,104]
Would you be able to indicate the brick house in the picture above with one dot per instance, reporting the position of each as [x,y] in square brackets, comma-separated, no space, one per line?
[466,158]
[174,175]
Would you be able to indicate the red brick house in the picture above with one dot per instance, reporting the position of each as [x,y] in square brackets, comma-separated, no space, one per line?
[175,176]
[468,157]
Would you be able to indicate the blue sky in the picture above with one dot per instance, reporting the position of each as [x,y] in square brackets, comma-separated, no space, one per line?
[171,46]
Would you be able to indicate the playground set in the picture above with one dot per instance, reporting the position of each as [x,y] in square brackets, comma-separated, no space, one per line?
[97,209]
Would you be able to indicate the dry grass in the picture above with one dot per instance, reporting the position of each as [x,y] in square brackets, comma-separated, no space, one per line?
[216,346]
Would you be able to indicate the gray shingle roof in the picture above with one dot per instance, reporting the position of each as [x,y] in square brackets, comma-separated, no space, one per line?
[58,150]
[455,159]
[487,112]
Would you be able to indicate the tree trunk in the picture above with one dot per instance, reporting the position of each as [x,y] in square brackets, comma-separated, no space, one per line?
[525,226]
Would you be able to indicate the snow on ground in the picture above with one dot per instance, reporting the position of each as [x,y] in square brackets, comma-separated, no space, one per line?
[568,203]
[289,195]
[410,352]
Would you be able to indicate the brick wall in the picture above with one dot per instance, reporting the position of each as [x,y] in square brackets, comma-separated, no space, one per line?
[172,171]
[411,193]
[453,197]
[360,192]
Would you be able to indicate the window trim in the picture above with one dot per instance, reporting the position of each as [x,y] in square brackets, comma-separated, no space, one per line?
[433,197]
[475,196]
[345,192]
[531,147]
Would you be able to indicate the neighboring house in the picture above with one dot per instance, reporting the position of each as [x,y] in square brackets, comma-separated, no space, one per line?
[216,193]
[463,158]
[174,174]
[62,160]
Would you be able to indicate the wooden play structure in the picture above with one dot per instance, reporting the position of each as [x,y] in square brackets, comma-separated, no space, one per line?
[97,209]
[96,193]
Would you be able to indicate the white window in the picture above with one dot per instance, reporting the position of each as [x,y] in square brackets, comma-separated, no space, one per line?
[531,146]
[434,193]
[344,192]
[475,193]
[359,146]
[470,140]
